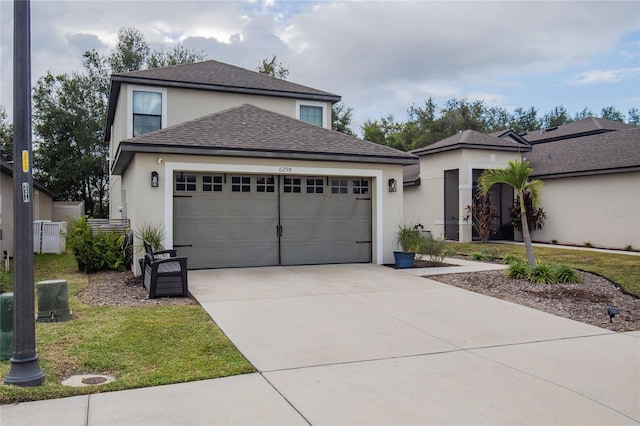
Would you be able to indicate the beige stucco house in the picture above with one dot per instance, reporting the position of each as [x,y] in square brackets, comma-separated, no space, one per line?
[243,169]
[590,169]
[42,205]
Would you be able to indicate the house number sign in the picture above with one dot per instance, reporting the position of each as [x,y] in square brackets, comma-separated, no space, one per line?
[26,196]
[285,169]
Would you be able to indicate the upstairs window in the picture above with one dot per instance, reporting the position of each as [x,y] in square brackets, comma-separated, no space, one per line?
[311,114]
[147,112]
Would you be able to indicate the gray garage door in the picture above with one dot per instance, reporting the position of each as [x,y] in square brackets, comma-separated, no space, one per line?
[233,220]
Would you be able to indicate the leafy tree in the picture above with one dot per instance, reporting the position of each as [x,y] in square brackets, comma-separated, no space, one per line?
[70,115]
[71,156]
[634,116]
[341,118]
[525,120]
[517,176]
[273,68]
[611,113]
[131,52]
[556,117]
[585,113]
[178,55]
[6,136]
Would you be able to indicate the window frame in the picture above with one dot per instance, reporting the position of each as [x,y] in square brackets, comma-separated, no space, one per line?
[151,89]
[326,119]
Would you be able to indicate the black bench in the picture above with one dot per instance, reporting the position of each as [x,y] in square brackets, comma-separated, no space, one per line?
[164,276]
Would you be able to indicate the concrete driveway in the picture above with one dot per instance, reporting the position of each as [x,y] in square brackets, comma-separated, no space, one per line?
[366,344]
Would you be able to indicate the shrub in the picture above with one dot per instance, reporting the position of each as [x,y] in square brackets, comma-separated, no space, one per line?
[543,273]
[536,216]
[409,237]
[481,213]
[433,248]
[512,258]
[449,251]
[517,270]
[478,255]
[565,274]
[152,233]
[629,248]
[588,244]
[95,252]
[554,241]
[487,254]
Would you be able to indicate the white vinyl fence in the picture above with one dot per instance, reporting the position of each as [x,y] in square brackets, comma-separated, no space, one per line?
[49,237]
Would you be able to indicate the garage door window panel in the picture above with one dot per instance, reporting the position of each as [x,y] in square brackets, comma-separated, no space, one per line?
[266,184]
[339,186]
[315,186]
[186,183]
[361,187]
[292,185]
[212,183]
[240,183]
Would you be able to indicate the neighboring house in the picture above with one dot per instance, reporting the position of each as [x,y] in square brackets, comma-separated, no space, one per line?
[590,169]
[42,205]
[243,169]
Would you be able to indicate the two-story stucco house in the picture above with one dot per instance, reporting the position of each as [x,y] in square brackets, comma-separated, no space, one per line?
[243,169]
[590,170]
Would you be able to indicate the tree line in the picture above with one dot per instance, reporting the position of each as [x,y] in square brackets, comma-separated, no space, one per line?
[69,116]
[428,124]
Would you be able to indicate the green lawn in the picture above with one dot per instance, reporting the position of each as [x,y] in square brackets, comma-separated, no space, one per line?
[140,346]
[622,269]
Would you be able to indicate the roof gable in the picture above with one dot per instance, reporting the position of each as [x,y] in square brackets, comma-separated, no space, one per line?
[473,139]
[251,131]
[213,76]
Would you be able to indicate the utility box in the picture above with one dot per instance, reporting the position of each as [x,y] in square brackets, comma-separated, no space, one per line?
[6,326]
[53,301]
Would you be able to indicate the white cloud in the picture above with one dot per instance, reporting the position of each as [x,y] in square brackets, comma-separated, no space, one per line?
[604,76]
[381,56]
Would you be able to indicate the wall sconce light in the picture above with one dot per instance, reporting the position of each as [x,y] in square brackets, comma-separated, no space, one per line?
[393,185]
[154,179]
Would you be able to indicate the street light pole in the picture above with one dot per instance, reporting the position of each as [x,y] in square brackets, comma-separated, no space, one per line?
[25,370]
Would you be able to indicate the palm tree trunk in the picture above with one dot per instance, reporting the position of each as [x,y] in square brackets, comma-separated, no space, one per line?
[531,258]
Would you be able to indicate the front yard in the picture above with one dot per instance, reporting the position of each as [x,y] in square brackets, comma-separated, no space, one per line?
[140,346]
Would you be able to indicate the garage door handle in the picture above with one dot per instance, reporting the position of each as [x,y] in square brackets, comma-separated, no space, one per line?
[278,230]
[363,242]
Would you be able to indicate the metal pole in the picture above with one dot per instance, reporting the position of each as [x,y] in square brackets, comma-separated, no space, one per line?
[25,370]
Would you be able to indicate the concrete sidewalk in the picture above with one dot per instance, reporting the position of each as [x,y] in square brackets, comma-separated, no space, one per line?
[366,344]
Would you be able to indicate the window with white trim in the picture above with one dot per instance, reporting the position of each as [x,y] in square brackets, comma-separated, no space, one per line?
[311,114]
[147,112]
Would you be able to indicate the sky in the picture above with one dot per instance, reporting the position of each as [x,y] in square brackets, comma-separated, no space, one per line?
[381,56]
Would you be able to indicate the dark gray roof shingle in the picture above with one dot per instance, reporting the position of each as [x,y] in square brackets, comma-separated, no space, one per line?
[586,126]
[221,75]
[599,153]
[474,140]
[251,131]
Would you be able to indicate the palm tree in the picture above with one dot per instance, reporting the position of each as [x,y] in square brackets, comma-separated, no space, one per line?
[517,176]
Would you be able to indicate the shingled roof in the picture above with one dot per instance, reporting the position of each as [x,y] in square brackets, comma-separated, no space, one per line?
[213,75]
[600,153]
[472,139]
[586,126]
[249,131]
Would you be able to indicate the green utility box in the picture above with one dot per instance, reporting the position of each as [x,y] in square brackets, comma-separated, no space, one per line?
[53,301]
[6,326]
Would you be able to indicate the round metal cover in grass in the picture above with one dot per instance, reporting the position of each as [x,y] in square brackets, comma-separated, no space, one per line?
[94,380]
[82,380]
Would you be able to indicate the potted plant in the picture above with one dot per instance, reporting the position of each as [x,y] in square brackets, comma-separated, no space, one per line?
[409,238]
